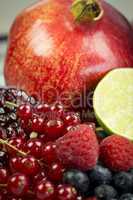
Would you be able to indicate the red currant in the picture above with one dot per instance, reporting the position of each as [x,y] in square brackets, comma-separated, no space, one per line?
[15,164]
[29,165]
[37,124]
[54,129]
[58,109]
[43,138]
[34,147]
[18,184]
[71,119]
[66,192]
[55,172]
[3,176]
[45,190]
[17,142]
[39,177]
[42,108]
[24,111]
[49,153]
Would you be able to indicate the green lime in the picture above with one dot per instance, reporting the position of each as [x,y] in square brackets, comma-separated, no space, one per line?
[113,102]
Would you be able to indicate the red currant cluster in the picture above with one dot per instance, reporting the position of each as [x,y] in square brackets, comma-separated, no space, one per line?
[50,122]
[33,175]
[29,168]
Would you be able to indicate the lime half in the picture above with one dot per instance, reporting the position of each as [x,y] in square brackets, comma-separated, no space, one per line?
[113,102]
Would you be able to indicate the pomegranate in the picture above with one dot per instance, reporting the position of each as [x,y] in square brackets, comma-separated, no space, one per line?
[60,48]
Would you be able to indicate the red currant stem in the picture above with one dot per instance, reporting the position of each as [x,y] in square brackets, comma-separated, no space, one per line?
[3,185]
[10,104]
[23,154]
[4,142]
[99,129]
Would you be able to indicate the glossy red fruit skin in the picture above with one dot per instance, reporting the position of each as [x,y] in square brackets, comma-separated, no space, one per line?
[37,124]
[55,172]
[49,153]
[17,142]
[54,129]
[18,184]
[45,190]
[24,111]
[15,164]
[34,147]
[41,176]
[29,166]
[50,54]
[3,176]
[66,192]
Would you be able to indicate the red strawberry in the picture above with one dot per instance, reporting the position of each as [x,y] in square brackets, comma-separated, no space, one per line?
[116,152]
[79,148]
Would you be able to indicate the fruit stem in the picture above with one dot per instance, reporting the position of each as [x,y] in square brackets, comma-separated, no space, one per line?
[99,129]
[87,10]
[3,185]
[4,142]
[10,104]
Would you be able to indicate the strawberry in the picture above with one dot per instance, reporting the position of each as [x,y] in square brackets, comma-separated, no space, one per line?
[116,152]
[78,148]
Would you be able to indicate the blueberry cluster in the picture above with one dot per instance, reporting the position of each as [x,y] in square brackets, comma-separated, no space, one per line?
[102,183]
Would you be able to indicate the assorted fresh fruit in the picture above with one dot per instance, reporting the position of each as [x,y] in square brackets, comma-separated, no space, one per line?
[50,154]
[58,52]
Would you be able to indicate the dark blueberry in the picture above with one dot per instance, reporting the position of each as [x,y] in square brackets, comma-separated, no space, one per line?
[4,119]
[105,192]
[22,97]
[127,196]
[12,116]
[100,175]
[3,158]
[123,181]
[78,179]
[11,132]
[131,171]
[2,165]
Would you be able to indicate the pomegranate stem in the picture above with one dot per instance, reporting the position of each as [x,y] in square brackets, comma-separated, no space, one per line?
[87,10]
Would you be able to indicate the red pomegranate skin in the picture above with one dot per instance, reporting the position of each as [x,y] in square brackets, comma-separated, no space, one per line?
[50,55]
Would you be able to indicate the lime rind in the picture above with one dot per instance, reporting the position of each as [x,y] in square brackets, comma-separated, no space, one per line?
[113,102]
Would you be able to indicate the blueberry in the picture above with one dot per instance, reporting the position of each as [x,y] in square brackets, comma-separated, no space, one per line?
[131,171]
[123,181]
[127,196]
[105,192]
[100,175]
[78,179]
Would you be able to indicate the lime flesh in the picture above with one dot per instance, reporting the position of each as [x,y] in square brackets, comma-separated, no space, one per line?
[113,102]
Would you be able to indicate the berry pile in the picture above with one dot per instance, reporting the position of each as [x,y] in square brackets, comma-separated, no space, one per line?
[54,156]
